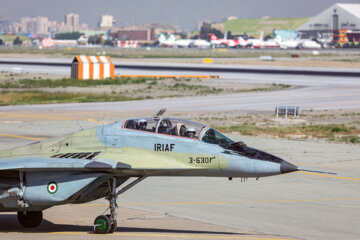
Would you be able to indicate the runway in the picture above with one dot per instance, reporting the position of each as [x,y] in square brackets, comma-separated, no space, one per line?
[184,67]
[316,92]
[316,98]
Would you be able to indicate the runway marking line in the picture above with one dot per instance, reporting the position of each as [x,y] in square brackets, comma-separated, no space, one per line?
[95,121]
[234,202]
[7,114]
[170,235]
[18,136]
[330,176]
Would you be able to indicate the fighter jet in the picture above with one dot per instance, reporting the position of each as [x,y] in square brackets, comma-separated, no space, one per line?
[93,163]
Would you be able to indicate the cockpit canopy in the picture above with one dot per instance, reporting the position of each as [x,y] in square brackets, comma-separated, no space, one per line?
[178,127]
[170,126]
[214,137]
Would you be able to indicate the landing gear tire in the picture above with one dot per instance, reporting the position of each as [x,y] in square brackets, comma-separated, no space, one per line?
[113,225]
[102,225]
[30,219]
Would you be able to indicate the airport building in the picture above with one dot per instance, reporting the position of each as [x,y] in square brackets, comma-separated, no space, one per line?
[38,25]
[72,22]
[212,25]
[106,21]
[338,16]
[145,35]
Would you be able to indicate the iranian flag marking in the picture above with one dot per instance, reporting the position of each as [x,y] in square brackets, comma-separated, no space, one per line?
[52,187]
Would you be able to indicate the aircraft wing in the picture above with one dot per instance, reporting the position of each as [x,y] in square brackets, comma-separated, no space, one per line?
[33,163]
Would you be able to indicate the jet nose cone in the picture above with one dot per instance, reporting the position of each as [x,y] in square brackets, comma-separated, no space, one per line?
[286,167]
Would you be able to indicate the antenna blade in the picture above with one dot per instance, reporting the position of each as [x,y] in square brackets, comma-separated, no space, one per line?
[314,171]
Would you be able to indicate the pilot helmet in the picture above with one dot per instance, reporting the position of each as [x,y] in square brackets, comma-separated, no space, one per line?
[191,132]
[142,124]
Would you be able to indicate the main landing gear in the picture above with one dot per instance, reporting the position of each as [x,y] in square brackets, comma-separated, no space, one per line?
[30,219]
[107,223]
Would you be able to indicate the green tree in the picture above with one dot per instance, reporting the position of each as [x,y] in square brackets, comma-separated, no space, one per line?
[68,35]
[95,40]
[17,41]
[204,33]
[108,42]
[267,37]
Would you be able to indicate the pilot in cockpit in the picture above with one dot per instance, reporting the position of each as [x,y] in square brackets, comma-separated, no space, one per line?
[191,132]
[141,125]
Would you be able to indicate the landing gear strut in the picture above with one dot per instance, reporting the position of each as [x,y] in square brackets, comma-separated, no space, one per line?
[107,223]
[30,219]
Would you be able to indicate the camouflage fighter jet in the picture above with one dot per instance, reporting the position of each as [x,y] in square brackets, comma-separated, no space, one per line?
[92,163]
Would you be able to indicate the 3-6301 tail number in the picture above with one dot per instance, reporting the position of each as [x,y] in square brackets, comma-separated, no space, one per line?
[201,159]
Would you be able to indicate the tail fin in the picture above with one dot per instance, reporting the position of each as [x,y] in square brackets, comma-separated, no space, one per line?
[172,37]
[161,37]
[213,36]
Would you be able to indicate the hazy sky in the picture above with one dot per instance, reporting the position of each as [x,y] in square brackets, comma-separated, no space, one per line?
[185,13]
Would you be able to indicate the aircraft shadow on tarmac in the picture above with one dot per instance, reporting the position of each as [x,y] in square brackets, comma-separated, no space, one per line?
[9,223]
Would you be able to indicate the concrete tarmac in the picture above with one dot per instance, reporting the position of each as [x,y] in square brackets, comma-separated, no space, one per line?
[75,222]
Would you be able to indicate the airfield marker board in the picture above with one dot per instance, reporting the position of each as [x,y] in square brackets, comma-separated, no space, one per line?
[92,67]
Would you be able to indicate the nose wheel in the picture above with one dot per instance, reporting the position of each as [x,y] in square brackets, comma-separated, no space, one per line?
[102,224]
[107,223]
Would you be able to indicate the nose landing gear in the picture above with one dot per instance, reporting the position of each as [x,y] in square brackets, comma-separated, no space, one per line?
[107,223]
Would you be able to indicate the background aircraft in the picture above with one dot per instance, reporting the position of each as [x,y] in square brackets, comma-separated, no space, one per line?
[168,40]
[287,44]
[233,43]
[310,44]
[171,41]
[215,41]
[201,43]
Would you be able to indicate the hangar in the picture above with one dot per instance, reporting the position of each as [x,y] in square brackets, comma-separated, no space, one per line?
[336,17]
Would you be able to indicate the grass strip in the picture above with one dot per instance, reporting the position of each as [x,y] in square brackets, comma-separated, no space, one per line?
[159,52]
[69,82]
[40,97]
[331,132]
